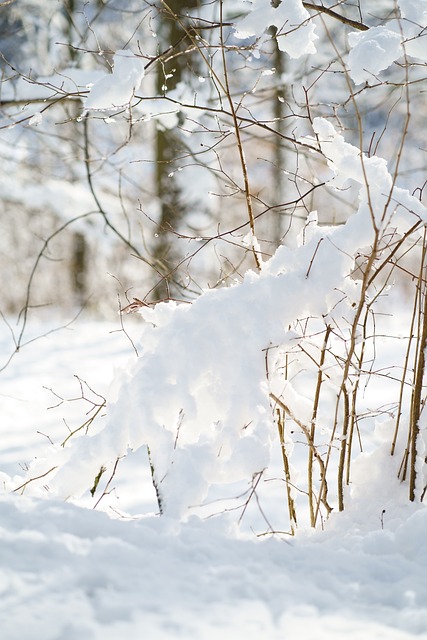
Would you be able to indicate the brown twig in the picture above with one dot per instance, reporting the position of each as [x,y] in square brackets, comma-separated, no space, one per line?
[43,475]
[337,16]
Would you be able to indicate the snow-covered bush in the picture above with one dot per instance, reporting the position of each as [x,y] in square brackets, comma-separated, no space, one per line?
[289,363]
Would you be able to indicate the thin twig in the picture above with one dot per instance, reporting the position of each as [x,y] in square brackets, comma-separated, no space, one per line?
[43,475]
[113,473]
[337,16]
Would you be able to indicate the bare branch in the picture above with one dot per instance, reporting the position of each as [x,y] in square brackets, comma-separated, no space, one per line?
[337,16]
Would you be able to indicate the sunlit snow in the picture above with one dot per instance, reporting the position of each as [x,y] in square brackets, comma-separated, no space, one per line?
[117,89]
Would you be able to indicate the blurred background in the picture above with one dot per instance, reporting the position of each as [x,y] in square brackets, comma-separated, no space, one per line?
[148,200]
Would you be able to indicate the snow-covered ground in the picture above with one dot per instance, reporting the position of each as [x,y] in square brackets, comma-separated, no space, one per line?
[68,572]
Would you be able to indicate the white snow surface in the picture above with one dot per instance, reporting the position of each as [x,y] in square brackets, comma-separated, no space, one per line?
[69,572]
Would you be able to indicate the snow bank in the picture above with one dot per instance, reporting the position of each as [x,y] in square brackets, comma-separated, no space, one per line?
[66,572]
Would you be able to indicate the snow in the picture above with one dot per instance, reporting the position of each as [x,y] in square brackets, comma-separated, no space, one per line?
[68,571]
[195,556]
[376,49]
[198,397]
[415,11]
[372,51]
[79,574]
[296,34]
[117,89]
[35,120]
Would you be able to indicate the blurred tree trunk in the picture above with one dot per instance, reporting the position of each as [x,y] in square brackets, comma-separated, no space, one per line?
[79,248]
[79,267]
[279,160]
[172,206]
